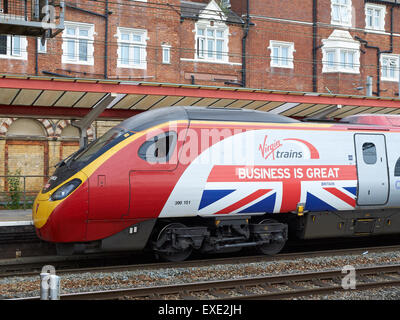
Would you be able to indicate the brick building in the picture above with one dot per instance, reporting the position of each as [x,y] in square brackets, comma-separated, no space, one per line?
[167,41]
[295,45]
[300,45]
[323,46]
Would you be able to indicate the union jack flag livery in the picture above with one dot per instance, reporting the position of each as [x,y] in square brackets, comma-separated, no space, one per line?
[249,191]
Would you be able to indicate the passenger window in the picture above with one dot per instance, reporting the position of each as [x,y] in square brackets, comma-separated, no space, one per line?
[159,148]
[397,168]
[369,153]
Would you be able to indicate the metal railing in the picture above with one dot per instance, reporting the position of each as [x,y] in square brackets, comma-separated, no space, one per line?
[22,194]
[32,17]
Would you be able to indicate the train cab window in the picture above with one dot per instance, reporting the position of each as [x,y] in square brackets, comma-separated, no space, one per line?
[158,148]
[369,153]
[397,168]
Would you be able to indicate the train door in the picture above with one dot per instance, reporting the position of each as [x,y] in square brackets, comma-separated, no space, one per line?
[372,171]
[154,176]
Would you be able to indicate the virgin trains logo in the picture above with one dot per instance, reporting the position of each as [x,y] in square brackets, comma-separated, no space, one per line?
[291,148]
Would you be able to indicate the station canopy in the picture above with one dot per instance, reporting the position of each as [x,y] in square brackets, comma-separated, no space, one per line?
[72,98]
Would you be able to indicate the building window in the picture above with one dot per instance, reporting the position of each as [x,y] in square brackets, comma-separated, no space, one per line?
[132,48]
[78,43]
[41,48]
[341,60]
[16,46]
[13,47]
[375,17]
[390,67]
[281,54]
[212,42]
[330,59]
[340,53]
[346,61]
[166,54]
[3,44]
[341,12]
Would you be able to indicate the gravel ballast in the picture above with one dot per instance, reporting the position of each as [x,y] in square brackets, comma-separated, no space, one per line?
[18,287]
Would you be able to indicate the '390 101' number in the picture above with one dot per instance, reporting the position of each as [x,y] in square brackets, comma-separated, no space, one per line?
[180,202]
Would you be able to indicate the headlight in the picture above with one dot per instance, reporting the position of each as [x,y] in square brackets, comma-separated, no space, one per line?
[65,190]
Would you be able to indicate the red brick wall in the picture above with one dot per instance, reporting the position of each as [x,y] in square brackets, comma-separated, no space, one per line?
[259,72]
[297,27]
[163,25]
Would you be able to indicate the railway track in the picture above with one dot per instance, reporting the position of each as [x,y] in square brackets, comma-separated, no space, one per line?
[17,234]
[285,286]
[63,264]
[21,240]
[29,257]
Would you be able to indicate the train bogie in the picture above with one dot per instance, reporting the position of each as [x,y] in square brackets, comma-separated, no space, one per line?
[176,241]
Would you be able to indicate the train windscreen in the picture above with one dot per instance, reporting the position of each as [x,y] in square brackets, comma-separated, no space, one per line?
[106,139]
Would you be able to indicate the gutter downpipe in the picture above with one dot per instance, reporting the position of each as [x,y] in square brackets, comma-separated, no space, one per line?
[36,57]
[246,32]
[314,50]
[379,52]
[378,65]
[106,43]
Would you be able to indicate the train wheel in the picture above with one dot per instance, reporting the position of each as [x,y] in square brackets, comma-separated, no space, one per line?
[273,247]
[171,249]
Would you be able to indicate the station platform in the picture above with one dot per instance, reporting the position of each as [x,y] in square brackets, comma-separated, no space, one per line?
[18,236]
[13,218]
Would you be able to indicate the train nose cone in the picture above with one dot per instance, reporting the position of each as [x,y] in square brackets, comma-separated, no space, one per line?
[46,203]
[41,210]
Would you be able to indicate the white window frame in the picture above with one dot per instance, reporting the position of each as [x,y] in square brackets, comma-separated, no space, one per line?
[344,9]
[339,64]
[380,26]
[166,53]
[133,44]
[40,48]
[23,48]
[212,34]
[393,62]
[68,38]
[340,43]
[280,61]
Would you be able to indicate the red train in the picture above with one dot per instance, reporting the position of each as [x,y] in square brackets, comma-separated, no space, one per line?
[179,179]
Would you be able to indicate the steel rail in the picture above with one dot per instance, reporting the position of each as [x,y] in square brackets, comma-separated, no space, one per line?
[184,264]
[315,291]
[215,288]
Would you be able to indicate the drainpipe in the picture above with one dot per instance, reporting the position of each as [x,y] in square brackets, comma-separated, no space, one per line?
[246,32]
[315,48]
[36,57]
[106,43]
[378,64]
[379,52]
